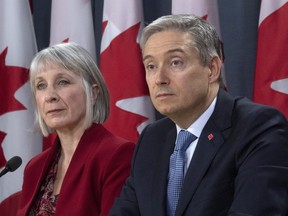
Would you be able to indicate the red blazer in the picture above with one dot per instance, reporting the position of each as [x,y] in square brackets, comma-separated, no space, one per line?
[95,176]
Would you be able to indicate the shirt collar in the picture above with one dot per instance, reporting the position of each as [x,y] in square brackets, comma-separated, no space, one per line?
[197,127]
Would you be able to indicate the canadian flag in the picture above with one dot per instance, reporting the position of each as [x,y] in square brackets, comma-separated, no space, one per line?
[122,68]
[71,21]
[206,9]
[271,75]
[17,48]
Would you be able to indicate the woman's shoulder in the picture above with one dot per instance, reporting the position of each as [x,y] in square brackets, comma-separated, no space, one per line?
[38,160]
[99,142]
[102,135]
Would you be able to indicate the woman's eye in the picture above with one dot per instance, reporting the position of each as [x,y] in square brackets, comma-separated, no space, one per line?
[63,82]
[40,86]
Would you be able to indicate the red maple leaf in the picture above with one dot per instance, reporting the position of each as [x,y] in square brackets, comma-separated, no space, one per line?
[104,25]
[11,79]
[66,40]
[123,71]
[205,17]
[272,37]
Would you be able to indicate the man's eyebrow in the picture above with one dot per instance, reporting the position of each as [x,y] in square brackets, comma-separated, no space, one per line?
[146,57]
[168,52]
[175,50]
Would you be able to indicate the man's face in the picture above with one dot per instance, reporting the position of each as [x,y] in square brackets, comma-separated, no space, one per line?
[179,84]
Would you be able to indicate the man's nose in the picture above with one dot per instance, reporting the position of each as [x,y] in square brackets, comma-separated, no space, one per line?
[162,76]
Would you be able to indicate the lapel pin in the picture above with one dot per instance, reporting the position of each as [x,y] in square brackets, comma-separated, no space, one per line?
[210,136]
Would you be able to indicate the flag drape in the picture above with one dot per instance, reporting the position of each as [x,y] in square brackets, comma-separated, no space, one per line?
[72,21]
[122,68]
[206,9]
[271,75]
[17,47]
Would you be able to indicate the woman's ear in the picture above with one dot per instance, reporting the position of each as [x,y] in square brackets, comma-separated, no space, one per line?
[215,69]
[95,91]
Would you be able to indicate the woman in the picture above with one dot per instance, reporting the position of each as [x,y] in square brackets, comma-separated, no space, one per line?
[83,171]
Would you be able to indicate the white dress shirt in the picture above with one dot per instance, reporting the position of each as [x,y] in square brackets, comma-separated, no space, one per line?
[196,129]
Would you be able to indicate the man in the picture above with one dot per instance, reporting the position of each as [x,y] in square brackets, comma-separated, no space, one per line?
[237,159]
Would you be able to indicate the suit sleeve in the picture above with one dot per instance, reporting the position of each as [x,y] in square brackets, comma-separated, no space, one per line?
[261,185]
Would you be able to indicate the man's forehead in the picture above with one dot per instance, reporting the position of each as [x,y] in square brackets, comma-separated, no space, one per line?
[166,48]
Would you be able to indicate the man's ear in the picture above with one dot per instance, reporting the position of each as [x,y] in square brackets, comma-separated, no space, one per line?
[215,69]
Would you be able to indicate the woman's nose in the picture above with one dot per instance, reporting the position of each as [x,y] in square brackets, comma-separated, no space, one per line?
[51,95]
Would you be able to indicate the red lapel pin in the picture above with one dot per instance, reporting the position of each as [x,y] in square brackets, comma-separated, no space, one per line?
[210,136]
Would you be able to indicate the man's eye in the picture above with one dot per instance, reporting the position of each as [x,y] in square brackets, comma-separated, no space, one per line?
[150,67]
[176,63]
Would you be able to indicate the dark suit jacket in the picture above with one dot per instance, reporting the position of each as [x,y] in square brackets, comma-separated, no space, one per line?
[241,171]
[95,176]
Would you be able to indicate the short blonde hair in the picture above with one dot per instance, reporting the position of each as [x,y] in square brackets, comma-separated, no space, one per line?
[76,59]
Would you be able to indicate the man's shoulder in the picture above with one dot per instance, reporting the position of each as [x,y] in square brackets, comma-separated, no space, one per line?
[248,108]
[245,107]
[159,128]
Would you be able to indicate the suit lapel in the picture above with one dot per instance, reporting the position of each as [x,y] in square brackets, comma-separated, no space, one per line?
[203,156]
[210,141]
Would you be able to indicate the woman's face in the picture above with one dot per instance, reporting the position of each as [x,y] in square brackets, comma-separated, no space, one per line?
[60,98]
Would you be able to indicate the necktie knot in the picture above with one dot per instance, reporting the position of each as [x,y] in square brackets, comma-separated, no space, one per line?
[183,140]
